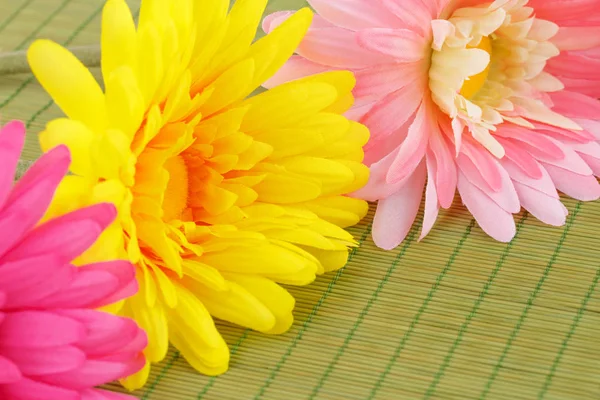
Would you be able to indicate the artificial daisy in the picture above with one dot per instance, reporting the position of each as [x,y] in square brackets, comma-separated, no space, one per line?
[493,98]
[221,197]
[53,344]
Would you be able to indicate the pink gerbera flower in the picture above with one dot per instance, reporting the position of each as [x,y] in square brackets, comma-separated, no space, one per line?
[53,344]
[493,98]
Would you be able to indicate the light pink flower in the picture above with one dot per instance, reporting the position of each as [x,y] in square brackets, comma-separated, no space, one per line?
[53,344]
[493,98]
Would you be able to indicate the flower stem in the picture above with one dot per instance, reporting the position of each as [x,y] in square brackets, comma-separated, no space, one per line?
[16,62]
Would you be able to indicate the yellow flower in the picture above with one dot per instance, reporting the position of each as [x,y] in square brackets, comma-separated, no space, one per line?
[221,196]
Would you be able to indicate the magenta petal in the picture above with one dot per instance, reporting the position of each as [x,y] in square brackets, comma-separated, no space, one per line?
[50,360]
[39,329]
[87,288]
[27,389]
[97,394]
[67,236]
[105,333]
[31,197]
[9,372]
[121,270]
[37,290]
[95,373]
[12,138]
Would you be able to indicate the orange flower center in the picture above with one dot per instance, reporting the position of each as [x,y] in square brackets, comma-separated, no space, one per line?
[176,198]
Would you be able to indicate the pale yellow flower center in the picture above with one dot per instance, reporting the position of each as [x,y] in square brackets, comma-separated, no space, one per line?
[488,68]
[475,82]
[176,198]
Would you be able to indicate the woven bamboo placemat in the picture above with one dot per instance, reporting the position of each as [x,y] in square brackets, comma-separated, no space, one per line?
[456,316]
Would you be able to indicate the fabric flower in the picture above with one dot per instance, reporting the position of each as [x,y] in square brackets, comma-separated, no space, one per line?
[493,98]
[53,344]
[221,197]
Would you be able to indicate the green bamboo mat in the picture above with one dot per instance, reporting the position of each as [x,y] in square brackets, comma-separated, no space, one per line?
[456,316]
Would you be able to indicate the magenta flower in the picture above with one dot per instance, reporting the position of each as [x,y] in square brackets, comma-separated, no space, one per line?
[53,344]
[495,99]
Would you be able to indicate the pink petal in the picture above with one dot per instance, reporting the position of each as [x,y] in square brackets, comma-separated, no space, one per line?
[591,127]
[396,214]
[485,162]
[339,48]
[39,329]
[391,112]
[432,206]
[547,209]
[402,45]
[532,141]
[506,197]
[581,187]
[521,159]
[414,147]
[67,236]
[355,14]
[575,105]
[446,174]
[295,68]
[577,38]
[12,138]
[493,219]
[380,80]
[9,372]
[565,134]
[571,161]
[377,187]
[27,389]
[50,360]
[543,184]
[416,14]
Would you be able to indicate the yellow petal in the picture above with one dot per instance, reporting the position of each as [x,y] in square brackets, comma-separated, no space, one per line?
[76,136]
[118,39]
[124,100]
[71,85]
[152,320]
[137,380]
[339,210]
[282,42]
[258,260]
[239,306]
[193,333]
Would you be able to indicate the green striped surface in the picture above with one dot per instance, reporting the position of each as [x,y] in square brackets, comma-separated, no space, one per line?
[456,316]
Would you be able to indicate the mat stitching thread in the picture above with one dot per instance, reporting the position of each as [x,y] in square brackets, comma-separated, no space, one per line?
[67,42]
[43,24]
[14,15]
[463,328]
[213,379]
[374,296]
[26,82]
[417,317]
[530,301]
[310,317]
[565,341]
